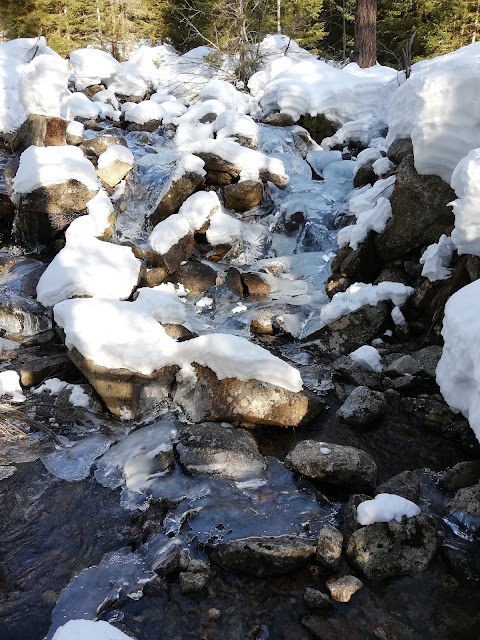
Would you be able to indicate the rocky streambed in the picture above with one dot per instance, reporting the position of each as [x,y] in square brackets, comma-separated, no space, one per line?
[183,503]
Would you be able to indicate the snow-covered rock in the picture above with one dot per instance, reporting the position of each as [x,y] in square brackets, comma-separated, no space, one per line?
[385,507]
[368,357]
[10,386]
[88,630]
[43,84]
[436,257]
[92,66]
[114,164]
[465,182]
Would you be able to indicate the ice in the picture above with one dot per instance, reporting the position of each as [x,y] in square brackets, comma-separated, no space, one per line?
[458,371]
[321,159]
[88,630]
[43,166]
[385,507]
[7,346]
[74,461]
[368,357]
[10,386]
[87,266]
[436,257]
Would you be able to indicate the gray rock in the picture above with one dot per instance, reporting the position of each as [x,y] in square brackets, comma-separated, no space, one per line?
[216,449]
[343,588]
[264,556]
[350,511]
[428,359]
[192,582]
[352,331]
[404,484]
[167,561]
[392,549]
[333,463]
[365,175]
[238,401]
[466,500]
[362,407]
[420,213]
[329,546]
[405,365]
[431,412]
[400,149]
[356,374]
[461,475]
[315,599]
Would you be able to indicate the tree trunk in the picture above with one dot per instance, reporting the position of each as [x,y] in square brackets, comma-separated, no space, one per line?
[366,33]
[279,16]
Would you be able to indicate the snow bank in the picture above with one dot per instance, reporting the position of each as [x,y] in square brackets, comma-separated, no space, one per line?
[92,66]
[466,183]
[385,507]
[437,108]
[126,335]
[359,294]
[192,215]
[43,84]
[342,95]
[43,166]
[89,267]
[226,93]
[145,112]
[10,386]
[368,357]
[458,372]
[436,258]
[126,82]
[88,630]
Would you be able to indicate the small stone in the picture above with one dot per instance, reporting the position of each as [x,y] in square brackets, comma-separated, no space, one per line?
[192,582]
[262,325]
[405,365]
[363,407]
[196,277]
[329,546]
[255,285]
[213,614]
[428,359]
[404,484]
[342,589]
[315,599]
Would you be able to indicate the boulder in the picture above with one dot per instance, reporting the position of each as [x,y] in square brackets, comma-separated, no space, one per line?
[319,126]
[404,365]
[170,261]
[420,213]
[278,120]
[174,194]
[22,318]
[461,475]
[334,463]
[264,556]
[329,546]
[365,175]
[350,511]
[243,195]
[320,628]
[315,599]
[356,374]
[127,394]
[255,285]
[98,145]
[353,265]
[400,149]
[216,449]
[466,500]
[392,549]
[404,484]
[428,359]
[351,331]
[237,401]
[196,277]
[363,407]
[40,131]
[343,588]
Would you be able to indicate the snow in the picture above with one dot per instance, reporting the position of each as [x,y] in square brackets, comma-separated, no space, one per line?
[192,215]
[146,111]
[44,166]
[436,258]
[196,112]
[466,183]
[87,266]
[53,385]
[368,357]
[106,97]
[126,82]
[360,294]
[115,153]
[88,630]
[10,386]
[43,84]
[382,166]
[437,108]
[78,397]
[357,131]
[92,66]
[458,372]
[397,316]
[127,335]
[75,129]
[77,105]
[385,507]
[250,162]
[225,229]
[226,93]
[96,223]
[372,209]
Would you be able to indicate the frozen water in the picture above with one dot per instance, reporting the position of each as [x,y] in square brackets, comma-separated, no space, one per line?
[73,462]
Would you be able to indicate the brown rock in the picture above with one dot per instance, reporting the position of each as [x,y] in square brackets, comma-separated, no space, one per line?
[99,144]
[127,394]
[41,131]
[243,195]
[154,277]
[278,120]
[150,126]
[174,195]
[239,401]
[255,284]
[113,173]
[195,276]
[262,326]
[342,589]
